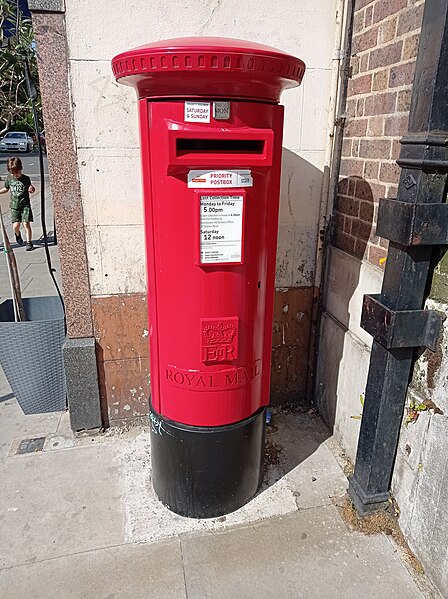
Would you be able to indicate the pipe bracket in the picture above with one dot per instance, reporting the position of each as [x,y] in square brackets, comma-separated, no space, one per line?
[412,224]
[400,329]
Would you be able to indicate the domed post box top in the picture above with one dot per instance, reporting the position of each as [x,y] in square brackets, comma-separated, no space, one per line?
[208,67]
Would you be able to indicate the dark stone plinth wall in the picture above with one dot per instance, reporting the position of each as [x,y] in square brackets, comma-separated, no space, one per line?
[82,383]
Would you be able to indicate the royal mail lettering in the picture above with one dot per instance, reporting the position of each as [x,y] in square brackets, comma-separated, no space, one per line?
[220,380]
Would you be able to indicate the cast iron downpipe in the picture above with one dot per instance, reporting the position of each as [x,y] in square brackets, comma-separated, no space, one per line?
[416,223]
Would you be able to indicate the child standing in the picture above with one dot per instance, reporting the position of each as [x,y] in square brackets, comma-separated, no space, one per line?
[20,187]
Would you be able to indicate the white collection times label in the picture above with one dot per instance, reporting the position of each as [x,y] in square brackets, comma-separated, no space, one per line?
[197,112]
[221,228]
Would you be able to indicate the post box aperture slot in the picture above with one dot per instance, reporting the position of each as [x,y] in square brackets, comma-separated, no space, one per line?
[204,147]
[186,146]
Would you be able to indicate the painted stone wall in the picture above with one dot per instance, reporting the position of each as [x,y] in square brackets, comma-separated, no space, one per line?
[421,473]
[107,142]
[384,48]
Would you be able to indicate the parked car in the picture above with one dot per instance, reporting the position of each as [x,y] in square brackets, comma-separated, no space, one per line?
[43,142]
[16,141]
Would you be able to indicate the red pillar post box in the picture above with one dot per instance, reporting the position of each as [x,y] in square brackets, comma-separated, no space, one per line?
[211,141]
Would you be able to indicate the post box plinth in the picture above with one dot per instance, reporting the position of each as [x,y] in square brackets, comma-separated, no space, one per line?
[207,472]
[211,146]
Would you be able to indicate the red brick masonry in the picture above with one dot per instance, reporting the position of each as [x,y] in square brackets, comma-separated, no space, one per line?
[384,48]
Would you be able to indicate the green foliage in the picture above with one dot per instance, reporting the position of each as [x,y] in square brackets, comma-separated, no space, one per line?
[361,399]
[16,45]
[413,412]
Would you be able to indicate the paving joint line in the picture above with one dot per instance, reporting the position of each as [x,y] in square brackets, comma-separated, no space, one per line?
[183,565]
[56,557]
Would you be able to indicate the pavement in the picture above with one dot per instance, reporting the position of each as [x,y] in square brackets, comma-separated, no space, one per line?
[33,269]
[79,518]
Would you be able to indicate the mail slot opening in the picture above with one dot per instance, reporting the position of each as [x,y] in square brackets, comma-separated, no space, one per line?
[185,146]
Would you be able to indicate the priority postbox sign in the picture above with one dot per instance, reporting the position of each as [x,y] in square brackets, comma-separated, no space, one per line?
[219,178]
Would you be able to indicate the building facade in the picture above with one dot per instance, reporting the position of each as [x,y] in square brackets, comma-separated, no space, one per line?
[93,123]
[93,151]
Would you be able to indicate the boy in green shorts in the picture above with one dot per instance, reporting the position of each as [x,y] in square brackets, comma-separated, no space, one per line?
[20,187]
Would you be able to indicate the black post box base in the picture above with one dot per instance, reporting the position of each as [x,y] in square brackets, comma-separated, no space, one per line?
[206,472]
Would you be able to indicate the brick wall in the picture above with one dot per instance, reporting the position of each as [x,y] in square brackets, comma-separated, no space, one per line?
[384,49]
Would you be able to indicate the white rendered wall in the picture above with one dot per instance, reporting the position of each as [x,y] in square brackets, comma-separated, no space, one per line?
[106,125]
[344,347]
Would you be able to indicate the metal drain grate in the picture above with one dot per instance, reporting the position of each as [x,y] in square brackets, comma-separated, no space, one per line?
[31,445]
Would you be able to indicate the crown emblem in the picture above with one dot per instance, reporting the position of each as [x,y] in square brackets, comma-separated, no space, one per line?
[220,333]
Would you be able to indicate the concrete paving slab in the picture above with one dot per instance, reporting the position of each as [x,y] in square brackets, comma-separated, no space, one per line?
[305,474]
[14,425]
[58,503]
[33,264]
[25,259]
[148,520]
[317,479]
[308,555]
[127,571]
[64,427]
[312,473]
[58,442]
[37,287]
[298,435]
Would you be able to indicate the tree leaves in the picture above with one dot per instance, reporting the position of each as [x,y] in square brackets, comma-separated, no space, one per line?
[16,45]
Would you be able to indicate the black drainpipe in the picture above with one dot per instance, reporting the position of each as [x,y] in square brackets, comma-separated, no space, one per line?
[416,223]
